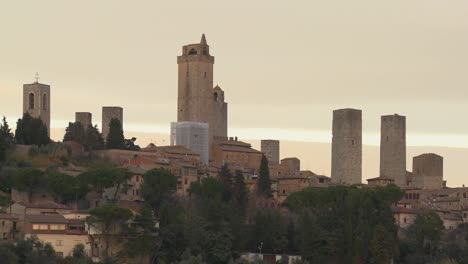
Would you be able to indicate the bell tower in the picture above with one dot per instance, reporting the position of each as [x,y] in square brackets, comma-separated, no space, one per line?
[195,83]
[36,101]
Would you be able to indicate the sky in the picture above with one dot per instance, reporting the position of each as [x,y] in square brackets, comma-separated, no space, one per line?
[284,65]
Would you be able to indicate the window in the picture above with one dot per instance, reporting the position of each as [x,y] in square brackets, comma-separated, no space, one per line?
[186,74]
[464,195]
[205,75]
[44,102]
[59,243]
[3,223]
[387,138]
[193,52]
[404,220]
[31,101]
[215,97]
[352,142]
[40,227]
[57,227]
[5,236]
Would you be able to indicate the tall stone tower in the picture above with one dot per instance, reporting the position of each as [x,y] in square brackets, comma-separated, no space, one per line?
[347,146]
[36,102]
[271,148]
[108,113]
[84,118]
[393,148]
[198,101]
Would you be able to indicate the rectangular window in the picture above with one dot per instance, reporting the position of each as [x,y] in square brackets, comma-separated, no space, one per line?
[59,243]
[40,227]
[57,227]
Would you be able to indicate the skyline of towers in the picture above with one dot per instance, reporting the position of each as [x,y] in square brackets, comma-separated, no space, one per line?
[393,148]
[36,101]
[347,146]
[198,100]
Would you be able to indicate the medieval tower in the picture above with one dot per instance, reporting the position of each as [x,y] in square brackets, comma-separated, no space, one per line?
[198,101]
[108,113]
[36,101]
[347,146]
[271,149]
[393,148]
[84,118]
[428,171]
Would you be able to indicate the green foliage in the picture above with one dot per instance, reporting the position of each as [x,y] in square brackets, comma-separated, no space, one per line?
[268,232]
[104,177]
[6,139]
[115,139]
[341,224]
[129,144]
[158,184]
[264,181]
[31,131]
[29,180]
[5,130]
[90,138]
[109,219]
[65,188]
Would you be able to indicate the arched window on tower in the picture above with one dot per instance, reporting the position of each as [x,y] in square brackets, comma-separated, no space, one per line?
[215,97]
[193,52]
[44,102]
[31,101]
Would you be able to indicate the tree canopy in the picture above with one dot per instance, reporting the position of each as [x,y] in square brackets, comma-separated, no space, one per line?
[264,181]
[31,131]
[115,139]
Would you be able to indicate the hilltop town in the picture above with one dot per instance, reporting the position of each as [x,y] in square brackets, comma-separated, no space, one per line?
[56,191]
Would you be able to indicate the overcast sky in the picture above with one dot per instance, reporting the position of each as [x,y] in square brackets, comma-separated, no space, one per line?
[284,65]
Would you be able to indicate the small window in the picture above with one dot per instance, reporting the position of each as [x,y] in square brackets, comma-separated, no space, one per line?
[215,97]
[59,243]
[193,52]
[44,102]
[387,138]
[204,74]
[404,220]
[186,74]
[352,142]
[31,101]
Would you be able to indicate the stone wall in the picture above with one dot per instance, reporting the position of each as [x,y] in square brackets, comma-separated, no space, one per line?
[347,146]
[108,113]
[393,148]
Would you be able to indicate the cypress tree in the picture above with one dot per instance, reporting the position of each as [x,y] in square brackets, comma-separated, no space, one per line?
[264,182]
[115,139]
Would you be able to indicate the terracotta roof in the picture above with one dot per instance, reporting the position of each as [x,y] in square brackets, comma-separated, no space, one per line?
[381,178]
[177,150]
[44,218]
[45,205]
[8,217]
[244,149]
[150,147]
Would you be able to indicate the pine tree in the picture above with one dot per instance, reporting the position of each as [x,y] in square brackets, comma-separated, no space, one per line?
[240,191]
[115,139]
[264,182]
[31,131]
[74,132]
[93,139]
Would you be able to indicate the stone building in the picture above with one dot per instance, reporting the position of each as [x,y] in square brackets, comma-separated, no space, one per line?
[393,149]
[428,171]
[36,102]
[8,227]
[198,101]
[347,146]
[84,118]
[235,153]
[108,113]
[271,149]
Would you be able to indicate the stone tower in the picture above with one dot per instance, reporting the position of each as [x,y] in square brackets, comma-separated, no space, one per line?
[347,146]
[271,149]
[84,118]
[428,171]
[198,101]
[36,102]
[393,148]
[108,113]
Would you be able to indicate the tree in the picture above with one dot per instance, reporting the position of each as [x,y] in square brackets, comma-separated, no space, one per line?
[158,184]
[115,139]
[31,131]
[3,148]
[382,246]
[426,232]
[74,132]
[129,144]
[240,191]
[103,178]
[65,188]
[5,130]
[268,232]
[93,139]
[264,182]
[29,180]
[109,220]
